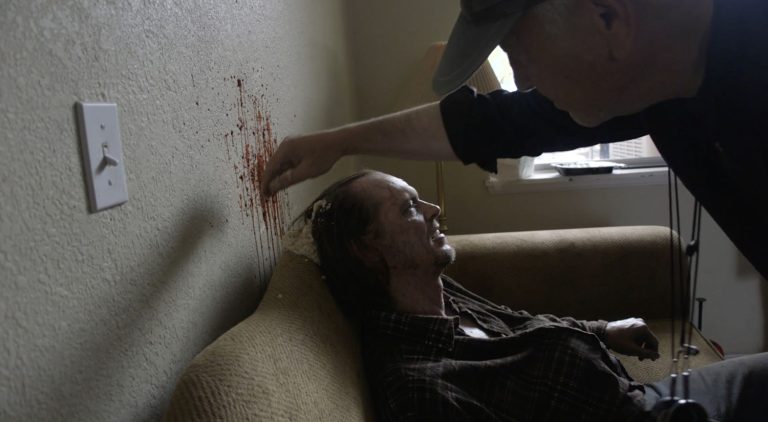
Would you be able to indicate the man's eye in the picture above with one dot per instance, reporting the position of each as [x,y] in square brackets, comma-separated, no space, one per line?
[411,206]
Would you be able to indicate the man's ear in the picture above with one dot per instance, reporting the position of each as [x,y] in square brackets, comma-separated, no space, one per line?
[369,254]
[616,22]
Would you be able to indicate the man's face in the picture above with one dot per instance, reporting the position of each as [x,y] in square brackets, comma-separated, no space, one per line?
[570,65]
[406,234]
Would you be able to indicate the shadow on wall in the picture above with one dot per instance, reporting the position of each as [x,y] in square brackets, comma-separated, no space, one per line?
[150,305]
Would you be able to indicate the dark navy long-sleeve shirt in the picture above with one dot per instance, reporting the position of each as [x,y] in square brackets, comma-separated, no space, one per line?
[716,142]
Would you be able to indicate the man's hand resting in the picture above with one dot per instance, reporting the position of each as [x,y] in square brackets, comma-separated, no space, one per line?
[632,337]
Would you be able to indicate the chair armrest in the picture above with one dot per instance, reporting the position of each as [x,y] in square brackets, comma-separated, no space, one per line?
[591,273]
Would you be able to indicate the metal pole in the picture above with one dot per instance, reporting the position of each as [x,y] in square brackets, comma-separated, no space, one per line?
[701,301]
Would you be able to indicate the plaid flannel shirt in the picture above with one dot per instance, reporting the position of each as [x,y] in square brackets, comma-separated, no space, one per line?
[533,368]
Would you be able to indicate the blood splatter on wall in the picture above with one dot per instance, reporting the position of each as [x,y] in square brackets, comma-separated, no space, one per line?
[249,145]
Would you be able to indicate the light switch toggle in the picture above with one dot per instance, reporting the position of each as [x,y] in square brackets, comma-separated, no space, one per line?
[108,159]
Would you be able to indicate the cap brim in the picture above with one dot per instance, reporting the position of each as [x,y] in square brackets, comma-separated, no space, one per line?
[468,47]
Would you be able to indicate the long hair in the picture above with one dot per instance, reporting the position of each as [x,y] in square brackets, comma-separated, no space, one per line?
[341,218]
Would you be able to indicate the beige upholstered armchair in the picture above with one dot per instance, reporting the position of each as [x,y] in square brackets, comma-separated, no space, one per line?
[297,359]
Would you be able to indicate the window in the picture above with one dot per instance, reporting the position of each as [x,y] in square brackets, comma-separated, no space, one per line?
[639,152]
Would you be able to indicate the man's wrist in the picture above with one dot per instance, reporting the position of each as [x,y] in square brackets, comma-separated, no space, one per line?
[343,144]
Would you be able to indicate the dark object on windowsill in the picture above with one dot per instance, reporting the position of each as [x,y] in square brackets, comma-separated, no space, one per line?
[586,167]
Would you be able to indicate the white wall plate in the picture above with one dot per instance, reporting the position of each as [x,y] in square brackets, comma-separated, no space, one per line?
[102,155]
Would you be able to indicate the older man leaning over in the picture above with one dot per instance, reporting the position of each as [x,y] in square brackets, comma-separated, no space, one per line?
[692,74]
[436,351]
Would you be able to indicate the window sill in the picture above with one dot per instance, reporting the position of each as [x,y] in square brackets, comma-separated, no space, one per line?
[550,181]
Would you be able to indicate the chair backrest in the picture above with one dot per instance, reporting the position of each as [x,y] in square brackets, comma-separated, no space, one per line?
[295,359]
[589,273]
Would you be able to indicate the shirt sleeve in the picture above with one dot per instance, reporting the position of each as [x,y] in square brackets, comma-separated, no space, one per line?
[482,128]
[595,327]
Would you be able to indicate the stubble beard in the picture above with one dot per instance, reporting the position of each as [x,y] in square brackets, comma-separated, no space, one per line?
[445,258]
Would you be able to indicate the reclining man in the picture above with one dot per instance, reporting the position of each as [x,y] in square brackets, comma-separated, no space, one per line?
[435,351]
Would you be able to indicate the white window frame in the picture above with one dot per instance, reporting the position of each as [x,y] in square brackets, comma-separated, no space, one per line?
[629,163]
[550,181]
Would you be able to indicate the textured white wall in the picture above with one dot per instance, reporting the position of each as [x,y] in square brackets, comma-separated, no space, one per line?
[101,312]
[391,37]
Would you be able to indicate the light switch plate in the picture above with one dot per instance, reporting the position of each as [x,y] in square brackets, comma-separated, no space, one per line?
[102,155]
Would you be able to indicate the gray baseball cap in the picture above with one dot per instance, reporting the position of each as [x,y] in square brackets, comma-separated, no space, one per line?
[481,25]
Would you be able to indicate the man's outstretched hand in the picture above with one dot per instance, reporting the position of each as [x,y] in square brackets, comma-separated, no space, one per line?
[632,337]
[416,134]
[300,158]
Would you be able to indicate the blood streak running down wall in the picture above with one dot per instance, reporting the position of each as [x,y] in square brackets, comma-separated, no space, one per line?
[249,145]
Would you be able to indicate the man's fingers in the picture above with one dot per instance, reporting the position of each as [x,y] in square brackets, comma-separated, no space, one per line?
[283,160]
[290,176]
[271,183]
[653,342]
[271,172]
[280,182]
[648,351]
[648,354]
[296,160]
[649,340]
[278,175]
[649,344]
